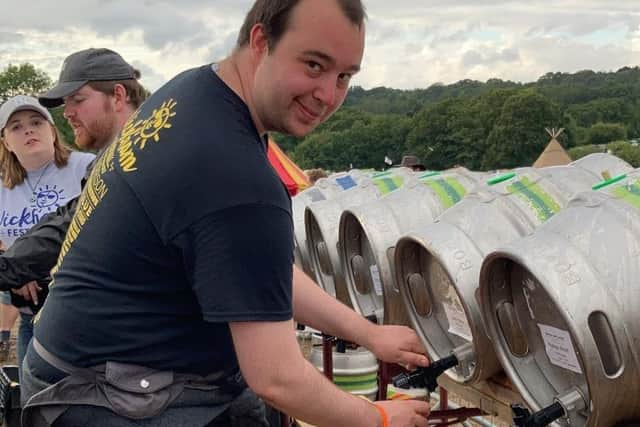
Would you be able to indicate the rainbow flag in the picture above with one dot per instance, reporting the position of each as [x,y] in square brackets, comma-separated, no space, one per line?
[291,175]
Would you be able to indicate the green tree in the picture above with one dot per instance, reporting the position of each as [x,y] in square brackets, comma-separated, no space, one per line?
[23,79]
[584,150]
[362,144]
[433,136]
[63,126]
[626,151]
[518,136]
[603,133]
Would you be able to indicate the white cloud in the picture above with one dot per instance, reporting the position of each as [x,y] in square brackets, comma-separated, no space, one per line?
[410,43]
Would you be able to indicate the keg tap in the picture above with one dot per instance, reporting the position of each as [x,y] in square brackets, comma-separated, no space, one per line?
[427,377]
[561,408]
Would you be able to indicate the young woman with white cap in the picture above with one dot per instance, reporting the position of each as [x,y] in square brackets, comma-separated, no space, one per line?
[38,173]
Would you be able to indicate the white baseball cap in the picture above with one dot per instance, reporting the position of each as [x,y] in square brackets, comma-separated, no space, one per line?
[21,103]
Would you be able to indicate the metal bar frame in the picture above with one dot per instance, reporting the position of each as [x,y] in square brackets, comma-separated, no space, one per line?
[386,371]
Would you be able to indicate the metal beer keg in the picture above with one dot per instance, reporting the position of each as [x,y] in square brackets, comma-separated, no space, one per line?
[321,225]
[369,232]
[438,265]
[562,307]
[323,189]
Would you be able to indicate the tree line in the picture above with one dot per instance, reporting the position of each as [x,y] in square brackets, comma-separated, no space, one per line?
[480,125]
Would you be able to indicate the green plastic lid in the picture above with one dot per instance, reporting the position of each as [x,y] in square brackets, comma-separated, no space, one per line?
[501,178]
[608,182]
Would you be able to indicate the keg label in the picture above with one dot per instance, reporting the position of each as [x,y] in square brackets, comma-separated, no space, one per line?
[629,193]
[314,195]
[346,182]
[535,197]
[458,324]
[375,278]
[388,184]
[559,348]
[448,190]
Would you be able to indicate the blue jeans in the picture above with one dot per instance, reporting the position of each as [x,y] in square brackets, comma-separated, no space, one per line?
[25,333]
[5,297]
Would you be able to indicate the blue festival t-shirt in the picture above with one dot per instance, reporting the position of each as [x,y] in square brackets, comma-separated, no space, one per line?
[183,226]
[43,191]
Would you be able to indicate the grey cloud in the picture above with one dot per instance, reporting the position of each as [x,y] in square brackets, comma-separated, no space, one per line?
[472,58]
[149,77]
[451,37]
[571,56]
[222,47]
[162,22]
[7,37]
[508,55]
[410,43]
[160,27]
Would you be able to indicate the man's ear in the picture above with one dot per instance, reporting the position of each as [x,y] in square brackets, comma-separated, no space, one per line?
[258,41]
[120,97]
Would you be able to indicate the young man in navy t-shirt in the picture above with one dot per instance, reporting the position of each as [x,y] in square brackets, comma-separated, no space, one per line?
[180,257]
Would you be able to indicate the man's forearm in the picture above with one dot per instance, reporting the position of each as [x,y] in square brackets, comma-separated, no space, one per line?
[331,406]
[313,307]
[33,255]
[280,375]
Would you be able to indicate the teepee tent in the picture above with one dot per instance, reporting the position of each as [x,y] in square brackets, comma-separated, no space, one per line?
[554,154]
[291,175]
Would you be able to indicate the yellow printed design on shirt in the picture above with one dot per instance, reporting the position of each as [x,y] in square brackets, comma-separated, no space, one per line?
[135,133]
[94,191]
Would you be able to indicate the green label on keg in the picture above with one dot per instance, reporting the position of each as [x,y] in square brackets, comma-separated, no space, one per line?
[388,184]
[448,190]
[630,193]
[534,196]
[356,382]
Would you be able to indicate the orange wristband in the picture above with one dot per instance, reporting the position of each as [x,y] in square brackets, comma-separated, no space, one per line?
[383,415]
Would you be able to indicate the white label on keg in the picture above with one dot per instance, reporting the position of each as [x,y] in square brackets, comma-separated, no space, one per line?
[375,277]
[559,348]
[458,324]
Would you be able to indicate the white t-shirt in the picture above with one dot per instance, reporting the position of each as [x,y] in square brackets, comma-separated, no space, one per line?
[43,191]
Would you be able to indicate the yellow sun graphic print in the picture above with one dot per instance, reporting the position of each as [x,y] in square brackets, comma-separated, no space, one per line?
[136,133]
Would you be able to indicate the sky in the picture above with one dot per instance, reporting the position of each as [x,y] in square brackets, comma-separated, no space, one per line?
[409,43]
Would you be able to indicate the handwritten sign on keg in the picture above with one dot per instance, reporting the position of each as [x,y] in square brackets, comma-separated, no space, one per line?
[559,348]
[458,324]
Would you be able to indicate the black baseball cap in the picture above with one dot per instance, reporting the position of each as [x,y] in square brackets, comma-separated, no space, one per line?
[86,66]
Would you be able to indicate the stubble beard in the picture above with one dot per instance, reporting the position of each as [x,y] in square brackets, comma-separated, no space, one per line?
[98,133]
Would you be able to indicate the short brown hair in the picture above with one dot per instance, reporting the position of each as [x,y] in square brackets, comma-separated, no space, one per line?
[136,93]
[12,173]
[274,15]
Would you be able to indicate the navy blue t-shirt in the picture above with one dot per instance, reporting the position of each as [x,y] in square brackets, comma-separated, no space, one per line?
[182,227]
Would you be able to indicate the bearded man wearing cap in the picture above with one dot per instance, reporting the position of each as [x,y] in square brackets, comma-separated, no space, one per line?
[100,91]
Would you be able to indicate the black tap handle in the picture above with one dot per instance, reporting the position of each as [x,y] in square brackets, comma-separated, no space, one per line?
[372,318]
[520,415]
[425,377]
[523,418]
